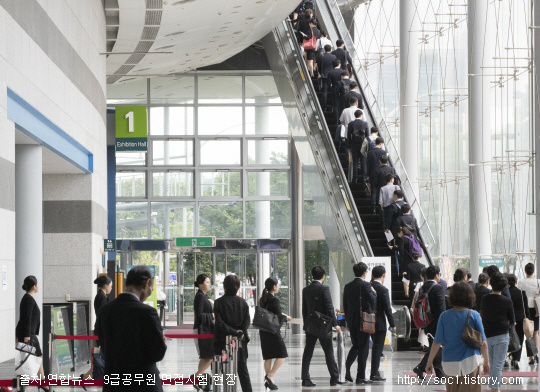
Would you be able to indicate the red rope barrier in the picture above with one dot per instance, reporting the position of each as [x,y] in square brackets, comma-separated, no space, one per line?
[70,337]
[93,383]
[6,383]
[189,336]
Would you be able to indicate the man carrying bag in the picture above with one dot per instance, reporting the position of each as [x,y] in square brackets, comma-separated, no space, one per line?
[319,318]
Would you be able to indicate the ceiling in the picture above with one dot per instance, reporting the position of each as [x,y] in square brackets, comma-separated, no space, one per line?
[52,163]
[197,33]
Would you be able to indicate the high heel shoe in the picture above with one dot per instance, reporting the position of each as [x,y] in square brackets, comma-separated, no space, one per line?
[81,376]
[44,389]
[269,384]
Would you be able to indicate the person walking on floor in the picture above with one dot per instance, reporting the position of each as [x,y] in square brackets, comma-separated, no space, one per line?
[272,345]
[383,312]
[204,324]
[358,296]
[521,311]
[531,286]
[481,290]
[316,297]
[27,329]
[458,359]
[232,318]
[497,313]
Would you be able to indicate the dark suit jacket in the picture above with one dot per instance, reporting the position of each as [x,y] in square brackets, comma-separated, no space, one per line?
[409,221]
[202,309]
[437,304]
[352,292]
[131,339]
[316,297]
[346,98]
[383,307]
[373,162]
[391,214]
[380,174]
[99,300]
[340,54]
[357,125]
[325,64]
[335,81]
[519,303]
[29,318]
[232,314]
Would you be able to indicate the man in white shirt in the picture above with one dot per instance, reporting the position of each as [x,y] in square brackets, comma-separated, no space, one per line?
[323,41]
[386,193]
[346,117]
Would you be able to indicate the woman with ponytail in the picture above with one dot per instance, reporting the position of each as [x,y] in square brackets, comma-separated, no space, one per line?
[203,325]
[272,345]
[104,288]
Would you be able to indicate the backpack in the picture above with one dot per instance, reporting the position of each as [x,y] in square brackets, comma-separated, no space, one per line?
[357,137]
[397,180]
[414,245]
[422,311]
[345,88]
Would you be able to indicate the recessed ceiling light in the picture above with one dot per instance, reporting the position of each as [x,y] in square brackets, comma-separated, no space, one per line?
[181,2]
[166,47]
[175,33]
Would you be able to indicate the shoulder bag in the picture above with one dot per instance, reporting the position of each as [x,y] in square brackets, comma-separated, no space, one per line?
[513,343]
[26,360]
[310,43]
[319,324]
[528,325]
[368,320]
[266,320]
[470,336]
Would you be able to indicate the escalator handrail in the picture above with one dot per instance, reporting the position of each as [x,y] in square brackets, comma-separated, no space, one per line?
[327,141]
[372,116]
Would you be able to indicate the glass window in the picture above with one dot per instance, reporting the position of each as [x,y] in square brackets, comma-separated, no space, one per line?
[172,219]
[268,152]
[172,152]
[172,89]
[268,219]
[218,121]
[261,89]
[130,184]
[223,220]
[220,152]
[175,184]
[220,89]
[131,92]
[221,184]
[266,120]
[268,183]
[131,158]
[171,120]
[132,220]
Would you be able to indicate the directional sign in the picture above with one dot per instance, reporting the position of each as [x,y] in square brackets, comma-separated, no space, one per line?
[195,242]
[499,262]
[131,128]
[109,245]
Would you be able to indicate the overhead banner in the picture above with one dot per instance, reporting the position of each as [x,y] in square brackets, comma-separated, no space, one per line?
[131,128]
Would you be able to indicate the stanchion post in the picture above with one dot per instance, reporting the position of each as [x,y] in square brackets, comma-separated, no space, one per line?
[18,385]
[51,337]
[216,366]
[235,363]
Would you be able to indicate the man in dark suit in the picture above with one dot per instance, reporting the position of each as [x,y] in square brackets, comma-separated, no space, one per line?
[343,55]
[437,305]
[131,336]
[391,213]
[316,297]
[325,65]
[357,131]
[384,311]
[334,77]
[353,292]
[355,92]
[374,162]
[380,176]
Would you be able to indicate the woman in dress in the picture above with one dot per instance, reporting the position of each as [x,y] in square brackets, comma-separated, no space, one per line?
[29,321]
[203,325]
[272,345]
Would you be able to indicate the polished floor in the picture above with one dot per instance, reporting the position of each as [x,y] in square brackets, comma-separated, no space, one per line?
[181,358]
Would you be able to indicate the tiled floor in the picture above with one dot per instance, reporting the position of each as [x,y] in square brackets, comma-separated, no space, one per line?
[181,358]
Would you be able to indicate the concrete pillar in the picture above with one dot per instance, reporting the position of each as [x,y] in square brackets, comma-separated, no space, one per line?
[28,219]
[297,260]
[409,26]
[536,32]
[479,134]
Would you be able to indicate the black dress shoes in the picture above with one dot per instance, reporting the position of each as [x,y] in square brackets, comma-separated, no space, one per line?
[377,378]
[307,383]
[333,383]
[419,373]
[360,381]
[348,377]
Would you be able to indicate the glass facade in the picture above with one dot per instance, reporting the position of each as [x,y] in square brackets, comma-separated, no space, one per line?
[217,162]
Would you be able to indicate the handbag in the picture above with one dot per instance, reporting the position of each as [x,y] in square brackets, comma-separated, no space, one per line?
[470,336]
[528,325]
[530,345]
[266,320]
[319,324]
[310,43]
[367,324]
[513,343]
[26,360]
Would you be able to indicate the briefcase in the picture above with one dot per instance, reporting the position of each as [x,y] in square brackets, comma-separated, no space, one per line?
[368,322]
[319,325]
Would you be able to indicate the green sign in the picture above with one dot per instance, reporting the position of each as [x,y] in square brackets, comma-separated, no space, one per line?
[193,242]
[489,261]
[109,245]
[152,300]
[131,128]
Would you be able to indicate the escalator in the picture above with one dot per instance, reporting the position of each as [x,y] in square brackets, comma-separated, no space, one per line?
[313,129]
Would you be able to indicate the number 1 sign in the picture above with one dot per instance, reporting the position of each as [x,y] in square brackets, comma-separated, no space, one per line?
[131,128]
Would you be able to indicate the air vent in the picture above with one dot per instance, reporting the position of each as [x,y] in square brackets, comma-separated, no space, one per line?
[153,18]
[150,33]
[143,46]
[154,4]
[135,58]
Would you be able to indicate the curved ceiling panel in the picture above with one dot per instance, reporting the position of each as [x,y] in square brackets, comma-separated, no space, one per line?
[195,33]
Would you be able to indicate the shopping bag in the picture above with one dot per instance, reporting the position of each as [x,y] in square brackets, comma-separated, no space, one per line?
[513,343]
[26,360]
[530,344]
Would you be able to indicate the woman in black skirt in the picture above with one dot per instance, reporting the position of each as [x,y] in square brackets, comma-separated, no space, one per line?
[203,325]
[272,345]
[29,321]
